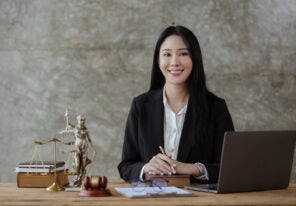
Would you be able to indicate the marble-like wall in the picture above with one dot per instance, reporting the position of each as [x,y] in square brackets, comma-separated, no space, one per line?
[94,56]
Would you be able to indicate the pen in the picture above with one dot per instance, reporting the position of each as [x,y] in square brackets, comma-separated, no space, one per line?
[163,152]
[153,194]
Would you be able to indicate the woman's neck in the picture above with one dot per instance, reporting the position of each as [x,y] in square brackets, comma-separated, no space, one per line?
[177,97]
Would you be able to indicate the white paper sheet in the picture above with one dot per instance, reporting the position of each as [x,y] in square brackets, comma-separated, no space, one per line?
[149,192]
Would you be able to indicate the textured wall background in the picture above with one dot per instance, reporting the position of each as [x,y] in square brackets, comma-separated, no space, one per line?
[94,56]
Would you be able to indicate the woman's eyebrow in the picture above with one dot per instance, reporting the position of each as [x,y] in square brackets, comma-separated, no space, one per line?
[171,49]
[183,49]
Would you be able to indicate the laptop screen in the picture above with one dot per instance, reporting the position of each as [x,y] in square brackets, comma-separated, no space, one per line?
[257,160]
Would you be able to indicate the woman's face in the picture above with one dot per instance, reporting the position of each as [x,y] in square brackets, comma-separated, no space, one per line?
[174,60]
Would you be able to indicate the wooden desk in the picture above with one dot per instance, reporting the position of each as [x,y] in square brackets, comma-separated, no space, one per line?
[10,194]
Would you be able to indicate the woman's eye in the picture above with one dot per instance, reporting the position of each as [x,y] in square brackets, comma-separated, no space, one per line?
[184,54]
[166,54]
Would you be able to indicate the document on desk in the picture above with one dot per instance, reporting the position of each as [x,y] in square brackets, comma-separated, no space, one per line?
[149,192]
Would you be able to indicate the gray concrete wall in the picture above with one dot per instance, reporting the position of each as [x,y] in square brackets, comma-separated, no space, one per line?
[94,56]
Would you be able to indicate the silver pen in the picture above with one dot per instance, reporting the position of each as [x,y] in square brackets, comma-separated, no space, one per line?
[162,150]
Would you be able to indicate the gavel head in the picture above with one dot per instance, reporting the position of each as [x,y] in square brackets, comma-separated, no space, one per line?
[95,182]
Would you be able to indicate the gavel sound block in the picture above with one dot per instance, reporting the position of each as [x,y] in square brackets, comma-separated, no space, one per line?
[95,186]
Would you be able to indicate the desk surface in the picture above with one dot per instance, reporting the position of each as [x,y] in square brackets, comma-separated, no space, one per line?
[10,194]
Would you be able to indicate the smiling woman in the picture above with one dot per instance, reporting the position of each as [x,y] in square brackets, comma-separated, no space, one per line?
[179,113]
[174,61]
[175,65]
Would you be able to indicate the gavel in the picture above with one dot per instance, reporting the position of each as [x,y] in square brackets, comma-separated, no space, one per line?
[95,182]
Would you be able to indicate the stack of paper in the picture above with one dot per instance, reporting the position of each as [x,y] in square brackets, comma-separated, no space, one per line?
[40,166]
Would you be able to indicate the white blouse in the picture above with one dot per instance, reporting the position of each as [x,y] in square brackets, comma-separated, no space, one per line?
[173,124]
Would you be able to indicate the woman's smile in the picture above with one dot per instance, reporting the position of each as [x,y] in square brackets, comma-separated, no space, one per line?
[176,72]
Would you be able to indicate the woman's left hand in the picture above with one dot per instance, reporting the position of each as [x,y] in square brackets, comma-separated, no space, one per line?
[185,168]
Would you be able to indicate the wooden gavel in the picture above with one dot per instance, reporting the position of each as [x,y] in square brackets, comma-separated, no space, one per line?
[95,182]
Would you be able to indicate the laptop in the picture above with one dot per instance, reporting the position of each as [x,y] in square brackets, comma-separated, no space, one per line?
[253,161]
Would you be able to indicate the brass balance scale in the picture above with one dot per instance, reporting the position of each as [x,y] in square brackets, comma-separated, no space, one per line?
[55,186]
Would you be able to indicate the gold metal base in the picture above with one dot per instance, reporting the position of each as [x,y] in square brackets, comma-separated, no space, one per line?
[55,188]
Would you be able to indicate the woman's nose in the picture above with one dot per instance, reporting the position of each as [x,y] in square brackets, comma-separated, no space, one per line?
[175,60]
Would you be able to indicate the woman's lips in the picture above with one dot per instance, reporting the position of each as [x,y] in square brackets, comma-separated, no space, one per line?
[176,72]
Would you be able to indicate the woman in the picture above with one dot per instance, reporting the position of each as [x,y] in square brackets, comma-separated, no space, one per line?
[178,113]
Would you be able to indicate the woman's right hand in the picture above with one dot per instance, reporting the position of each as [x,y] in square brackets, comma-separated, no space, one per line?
[160,164]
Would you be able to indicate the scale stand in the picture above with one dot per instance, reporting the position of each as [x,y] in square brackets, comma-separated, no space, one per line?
[55,187]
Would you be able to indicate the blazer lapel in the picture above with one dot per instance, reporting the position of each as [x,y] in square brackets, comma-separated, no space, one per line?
[155,114]
[158,121]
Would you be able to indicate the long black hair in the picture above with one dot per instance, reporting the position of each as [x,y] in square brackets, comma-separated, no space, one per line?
[196,82]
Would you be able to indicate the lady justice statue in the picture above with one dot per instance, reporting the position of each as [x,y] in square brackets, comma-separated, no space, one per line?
[82,139]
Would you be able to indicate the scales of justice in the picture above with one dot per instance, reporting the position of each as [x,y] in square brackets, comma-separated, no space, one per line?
[79,152]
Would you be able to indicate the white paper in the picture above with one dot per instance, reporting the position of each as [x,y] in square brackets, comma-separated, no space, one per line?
[149,191]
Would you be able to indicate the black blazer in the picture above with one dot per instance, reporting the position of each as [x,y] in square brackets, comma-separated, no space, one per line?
[145,132]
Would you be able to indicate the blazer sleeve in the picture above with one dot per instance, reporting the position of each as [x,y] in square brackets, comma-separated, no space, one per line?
[131,164]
